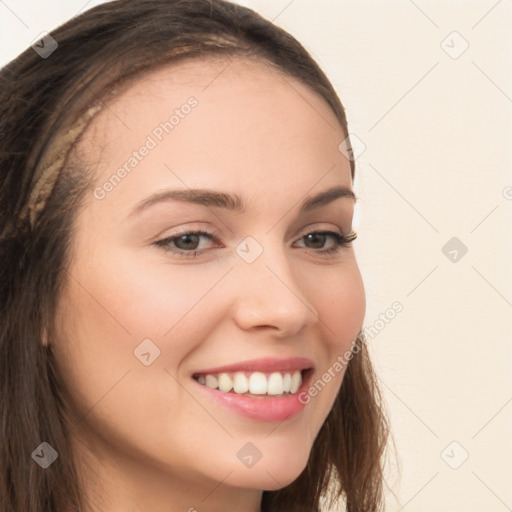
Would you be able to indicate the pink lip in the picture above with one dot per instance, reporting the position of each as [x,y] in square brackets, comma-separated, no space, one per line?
[265,365]
[264,408]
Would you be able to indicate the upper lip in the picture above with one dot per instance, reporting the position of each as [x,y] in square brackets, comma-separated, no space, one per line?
[265,365]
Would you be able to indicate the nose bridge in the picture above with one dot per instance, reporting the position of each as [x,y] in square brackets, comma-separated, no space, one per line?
[267,291]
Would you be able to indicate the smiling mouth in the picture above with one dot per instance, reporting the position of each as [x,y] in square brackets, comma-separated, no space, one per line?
[254,384]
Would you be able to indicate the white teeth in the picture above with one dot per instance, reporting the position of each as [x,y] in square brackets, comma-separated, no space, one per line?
[296,382]
[275,384]
[225,382]
[287,382]
[211,382]
[256,383]
[240,383]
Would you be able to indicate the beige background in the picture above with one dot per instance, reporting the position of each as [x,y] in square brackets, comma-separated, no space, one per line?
[434,127]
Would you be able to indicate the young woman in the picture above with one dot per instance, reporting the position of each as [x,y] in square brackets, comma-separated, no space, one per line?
[181,308]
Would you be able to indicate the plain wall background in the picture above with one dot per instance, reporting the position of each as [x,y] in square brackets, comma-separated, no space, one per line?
[436,127]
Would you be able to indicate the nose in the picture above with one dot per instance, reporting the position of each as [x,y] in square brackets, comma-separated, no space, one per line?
[268,294]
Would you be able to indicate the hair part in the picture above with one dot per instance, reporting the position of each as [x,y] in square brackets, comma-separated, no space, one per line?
[40,101]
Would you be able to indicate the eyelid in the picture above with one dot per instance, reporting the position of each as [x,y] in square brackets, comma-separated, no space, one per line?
[182,230]
[216,234]
[341,239]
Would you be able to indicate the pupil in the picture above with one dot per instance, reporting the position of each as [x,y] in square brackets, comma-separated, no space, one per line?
[187,238]
[312,236]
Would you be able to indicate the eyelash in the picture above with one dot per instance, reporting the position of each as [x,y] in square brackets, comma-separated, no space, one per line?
[341,241]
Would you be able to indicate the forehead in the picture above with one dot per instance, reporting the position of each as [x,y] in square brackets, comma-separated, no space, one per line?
[245,84]
[249,124]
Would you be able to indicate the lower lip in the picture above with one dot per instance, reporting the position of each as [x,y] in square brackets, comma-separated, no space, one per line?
[265,408]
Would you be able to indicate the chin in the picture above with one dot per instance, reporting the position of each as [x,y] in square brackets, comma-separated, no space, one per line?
[273,471]
[264,481]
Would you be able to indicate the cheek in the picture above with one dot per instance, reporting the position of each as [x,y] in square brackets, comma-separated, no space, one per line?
[115,301]
[108,308]
[339,299]
[132,297]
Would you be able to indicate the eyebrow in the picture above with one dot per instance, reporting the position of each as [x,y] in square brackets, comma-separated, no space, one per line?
[233,202]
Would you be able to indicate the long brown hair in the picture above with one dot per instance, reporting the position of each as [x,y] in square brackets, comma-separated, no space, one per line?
[40,99]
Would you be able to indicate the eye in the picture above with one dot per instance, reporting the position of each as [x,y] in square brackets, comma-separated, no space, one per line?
[185,244]
[339,240]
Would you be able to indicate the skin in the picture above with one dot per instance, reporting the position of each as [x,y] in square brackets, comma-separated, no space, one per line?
[146,439]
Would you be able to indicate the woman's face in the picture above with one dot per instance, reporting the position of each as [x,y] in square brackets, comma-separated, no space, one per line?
[141,325]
